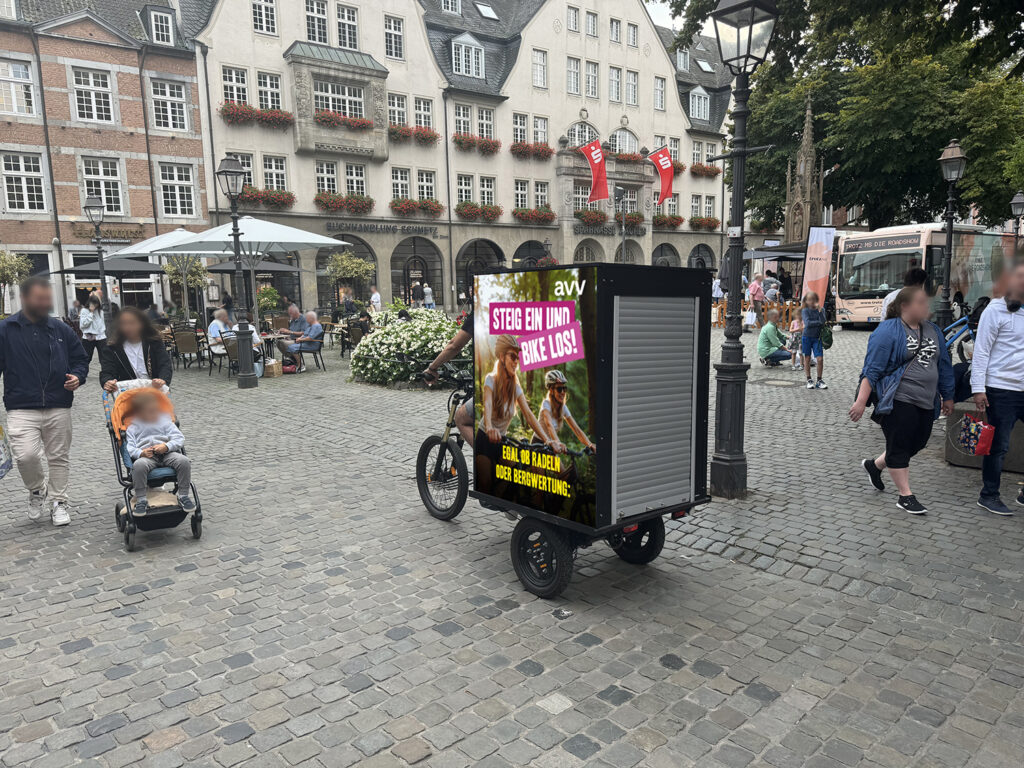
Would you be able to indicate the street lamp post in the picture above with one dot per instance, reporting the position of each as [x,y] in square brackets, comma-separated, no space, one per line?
[95,210]
[230,176]
[744,31]
[620,200]
[953,161]
[1017,209]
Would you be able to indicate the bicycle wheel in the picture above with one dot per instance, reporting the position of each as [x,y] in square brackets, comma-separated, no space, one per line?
[965,350]
[644,544]
[442,477]
[542,558]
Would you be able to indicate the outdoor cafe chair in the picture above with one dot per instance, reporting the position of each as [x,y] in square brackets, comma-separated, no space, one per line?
[219,356]
[231,351]
[186,344]
[317,355]
[280,322]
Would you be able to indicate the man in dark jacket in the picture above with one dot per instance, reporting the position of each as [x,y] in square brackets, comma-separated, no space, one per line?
[43,363]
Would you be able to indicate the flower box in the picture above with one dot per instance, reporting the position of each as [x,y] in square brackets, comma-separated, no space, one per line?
[399,133]
[276,118]
[677,167]
[465,141]
[543,151]
[634,219]
[234,113]
[359,205]
[525,150]
[278,198]
[424,136]
[542,215]
[629,157]
[709,223]
[250,195]
[467,210]
[404,206]
[491,212]
[547,261]
[329,119]
[666,221]
[707,171]
[430,207]
[334,202]
[591,218]
[488,147]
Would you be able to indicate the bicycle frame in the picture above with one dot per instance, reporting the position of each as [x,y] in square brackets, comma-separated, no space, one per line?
[961,327]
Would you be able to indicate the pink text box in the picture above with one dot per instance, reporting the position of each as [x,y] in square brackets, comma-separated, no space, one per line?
[519,317]
[551,347]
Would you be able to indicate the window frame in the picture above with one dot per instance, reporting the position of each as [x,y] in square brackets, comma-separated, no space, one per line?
[395,36]
[632,35]
[340,98]
[591,23]
[104,183]
[540,130]
[485,122]
[539,66]
[572,77]
[660,99]
[464,187]
[488,184]
[325,176]
[571,12]
[615,30]
[182,189]
[521,193]
[94,92]
[267,15]
[25,178]
[468,60]
[424,177]
[398,104]
[520,127]
[592,79]
[632,83]
[11,84]
[318,21]
[277,169]
[350,24]
[452,6]
[424,118]
[169,100]
[154,15]
[355,179]
[400,188]
[462,119]
[615,85]
[274,94]
[235,84]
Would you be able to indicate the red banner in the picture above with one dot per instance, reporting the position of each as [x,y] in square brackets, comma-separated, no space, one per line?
[663,162]
[598,171]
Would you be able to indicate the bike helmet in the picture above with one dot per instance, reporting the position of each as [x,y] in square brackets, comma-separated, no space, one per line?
[554,377]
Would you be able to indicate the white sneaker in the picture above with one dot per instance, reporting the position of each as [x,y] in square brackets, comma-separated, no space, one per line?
[36,500]
[810,384]
[301,370]
[797,366]
[821,384]
[60,515]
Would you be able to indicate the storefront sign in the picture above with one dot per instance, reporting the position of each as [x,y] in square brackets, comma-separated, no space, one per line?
[597,231]
[109,233]
[423,230]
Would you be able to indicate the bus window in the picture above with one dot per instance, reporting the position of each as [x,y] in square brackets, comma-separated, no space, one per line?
[933,266]
[872,274]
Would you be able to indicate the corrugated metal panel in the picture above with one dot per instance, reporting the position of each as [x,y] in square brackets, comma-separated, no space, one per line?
[654,386]
[334,55]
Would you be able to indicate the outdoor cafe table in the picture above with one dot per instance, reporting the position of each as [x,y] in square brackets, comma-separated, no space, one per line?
[270,340]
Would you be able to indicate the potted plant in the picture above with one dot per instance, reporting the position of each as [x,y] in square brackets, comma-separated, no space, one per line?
[235,113]
[250,195]
[666,221]
[359,205]
[404,206]
[629,157]
[329,201]
[677,167]
[705,170]
[430,207]
[400,133]
[633,219]
[276,118]
[542,150]
[13,269]
[464,141]
[490,212]
[424,136]
[488,146]
[278,198]
[521,149]
[467,210]
[590,217]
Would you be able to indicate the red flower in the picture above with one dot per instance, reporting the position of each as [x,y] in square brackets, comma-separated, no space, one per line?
[634,219]
[629,157]
[665,221]
[542,215]
[276,118]
[331,119]
[677,167]
[590,217]
[491,212]
[359,204]
[430,207]
[250,196]
[467,211]
[703,169]
[704,222]
[425,136]
[400,133]
[278,198]
[235,113]
[404,206]
[488,146]
[542,151]
[521,149]
[465,141]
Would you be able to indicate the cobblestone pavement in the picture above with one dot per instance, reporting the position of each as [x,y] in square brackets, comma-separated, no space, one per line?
[326,620]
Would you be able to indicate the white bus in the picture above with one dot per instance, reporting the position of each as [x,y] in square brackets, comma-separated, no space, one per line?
[871,264]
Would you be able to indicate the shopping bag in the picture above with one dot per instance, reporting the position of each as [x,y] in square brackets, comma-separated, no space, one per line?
[975,436]
[6,456]
[826,336]
[750,318]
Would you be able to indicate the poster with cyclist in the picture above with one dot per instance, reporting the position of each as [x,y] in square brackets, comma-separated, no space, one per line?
[535,369]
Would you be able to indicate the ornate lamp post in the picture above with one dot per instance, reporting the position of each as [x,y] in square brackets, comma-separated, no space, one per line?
[620,202]
[230,176]
[95,210]
[744,29]
[1017,209]
[953,161]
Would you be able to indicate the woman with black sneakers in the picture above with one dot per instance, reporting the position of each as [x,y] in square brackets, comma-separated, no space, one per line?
[908,372]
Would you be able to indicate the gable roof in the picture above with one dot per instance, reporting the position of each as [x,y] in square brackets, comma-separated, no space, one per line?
[500,39]
[717,83]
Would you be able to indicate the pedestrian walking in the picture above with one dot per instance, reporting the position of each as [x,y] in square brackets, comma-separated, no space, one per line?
[909,376]
[428,297]
[93,326]
[417,294]
[228,305]
[757,298]
[42,363]
[997,383]
[376,303]
[813,320]
[135,351]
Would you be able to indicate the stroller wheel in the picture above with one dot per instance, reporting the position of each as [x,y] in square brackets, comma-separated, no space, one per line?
[118,518]
[197,527]
[129,538]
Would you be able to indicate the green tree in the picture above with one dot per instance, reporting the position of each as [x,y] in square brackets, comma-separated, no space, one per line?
[267,299]
[13,269]
[347,266]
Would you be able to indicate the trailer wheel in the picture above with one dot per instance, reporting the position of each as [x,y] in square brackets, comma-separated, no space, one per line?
[542,558]
[644,544]
[442,477]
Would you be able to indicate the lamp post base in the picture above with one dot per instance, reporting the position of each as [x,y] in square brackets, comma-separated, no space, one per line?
[248,381]
[729,462]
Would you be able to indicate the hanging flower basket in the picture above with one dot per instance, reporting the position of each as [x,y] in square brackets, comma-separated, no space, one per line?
[591,218]
[404,206]
[491,212]
[329,119]
[278,198]
[430,207]
[488,147]
[629,157]
[677,167]
[542,215]
[709,223]
[424,136]
[400,134]
[467,210]
[276,118]
[705,170]
[465,141]
[634,219]
[234,113]
[665,221]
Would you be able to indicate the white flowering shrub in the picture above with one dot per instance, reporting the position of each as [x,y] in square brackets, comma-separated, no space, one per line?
[376,358]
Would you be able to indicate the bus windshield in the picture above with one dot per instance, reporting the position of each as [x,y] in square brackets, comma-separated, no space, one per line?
[873,274]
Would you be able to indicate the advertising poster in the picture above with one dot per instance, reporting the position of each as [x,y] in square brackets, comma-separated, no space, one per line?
[535,363]
[818,261]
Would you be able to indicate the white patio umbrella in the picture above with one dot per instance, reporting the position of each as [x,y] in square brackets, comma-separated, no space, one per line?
[258,238]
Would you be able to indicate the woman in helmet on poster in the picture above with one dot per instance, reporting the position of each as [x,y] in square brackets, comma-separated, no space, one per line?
[502,393]
[554,410]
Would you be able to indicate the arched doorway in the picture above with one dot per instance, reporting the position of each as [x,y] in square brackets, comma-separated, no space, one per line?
[701,257]
[328,291]
[666,256]
[634,254]
[475,256]
[287,284]
[415,259]
[588,251]
[529,253]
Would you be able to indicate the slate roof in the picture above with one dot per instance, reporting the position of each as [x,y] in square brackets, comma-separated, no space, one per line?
[122,15]
[499,37]
[334,55]
[717,83]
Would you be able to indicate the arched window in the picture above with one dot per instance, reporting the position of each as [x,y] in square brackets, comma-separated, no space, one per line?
[624,140]
[580,134]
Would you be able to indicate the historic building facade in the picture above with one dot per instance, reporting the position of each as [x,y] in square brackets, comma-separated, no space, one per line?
[98,101]
[379,123]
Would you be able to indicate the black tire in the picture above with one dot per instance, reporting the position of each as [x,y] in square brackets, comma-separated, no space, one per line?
[444,498]
[644,544]
[965,351]
[542,558]
[197,527]
[118,518]
[129,538]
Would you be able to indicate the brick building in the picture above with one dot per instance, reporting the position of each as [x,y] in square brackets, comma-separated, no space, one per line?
[98,97]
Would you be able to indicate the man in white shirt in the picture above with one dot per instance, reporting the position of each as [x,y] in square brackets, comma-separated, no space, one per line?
[997,381]
[375,301]
[915,276]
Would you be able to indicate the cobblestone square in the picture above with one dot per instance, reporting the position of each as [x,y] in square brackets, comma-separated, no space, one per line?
[325,619]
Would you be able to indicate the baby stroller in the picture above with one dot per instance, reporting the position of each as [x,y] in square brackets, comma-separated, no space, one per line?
[164,509]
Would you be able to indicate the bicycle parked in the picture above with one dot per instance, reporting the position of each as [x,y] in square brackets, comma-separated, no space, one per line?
[960,334]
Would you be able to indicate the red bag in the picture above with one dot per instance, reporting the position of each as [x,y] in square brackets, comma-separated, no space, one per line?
[292,369]
[975,436]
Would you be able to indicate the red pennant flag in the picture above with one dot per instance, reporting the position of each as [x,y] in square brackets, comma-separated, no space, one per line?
[598,171]
[663,162]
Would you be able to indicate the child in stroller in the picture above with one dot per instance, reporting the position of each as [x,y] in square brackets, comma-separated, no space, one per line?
[153,441]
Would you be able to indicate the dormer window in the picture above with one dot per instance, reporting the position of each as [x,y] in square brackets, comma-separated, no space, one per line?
[683,60]
[452,6]
[163,28]
[700,104]
[467,57]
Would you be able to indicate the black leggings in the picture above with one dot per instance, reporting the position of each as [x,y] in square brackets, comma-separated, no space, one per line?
[907,429]
[91,344]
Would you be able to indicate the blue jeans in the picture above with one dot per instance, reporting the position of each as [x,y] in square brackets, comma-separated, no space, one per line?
[780,355]
[1005,409]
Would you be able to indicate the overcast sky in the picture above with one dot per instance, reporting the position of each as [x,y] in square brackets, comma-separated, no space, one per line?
[661,14]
